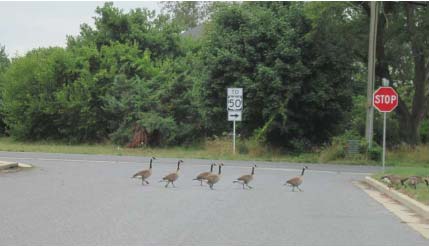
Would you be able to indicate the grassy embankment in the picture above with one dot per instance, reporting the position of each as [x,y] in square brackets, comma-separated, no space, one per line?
[421,193]
[410,162]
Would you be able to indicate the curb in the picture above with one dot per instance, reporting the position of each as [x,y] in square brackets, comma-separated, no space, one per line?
[23,165]
[416,206]
[8,165]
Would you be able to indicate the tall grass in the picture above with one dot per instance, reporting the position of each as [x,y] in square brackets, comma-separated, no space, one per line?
[408,156]
[216,149]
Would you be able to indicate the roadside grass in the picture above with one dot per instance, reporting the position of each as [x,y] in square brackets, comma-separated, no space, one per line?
[421,193]
[407,156]
[221,149]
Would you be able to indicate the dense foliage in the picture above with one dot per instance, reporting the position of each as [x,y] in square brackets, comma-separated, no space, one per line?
[294,75]
[302,66]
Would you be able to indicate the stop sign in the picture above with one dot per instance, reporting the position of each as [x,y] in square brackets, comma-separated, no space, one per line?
[385,99]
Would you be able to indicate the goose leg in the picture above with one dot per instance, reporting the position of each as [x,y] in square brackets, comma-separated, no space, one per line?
[299,188]
[293,188]
[211,186]
[166,185]
[142,181]
[147,182]
[201,182]
[250,187]
[173,184]
[243,186]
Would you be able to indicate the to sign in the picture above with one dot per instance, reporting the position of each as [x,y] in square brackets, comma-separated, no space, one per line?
[235,99]
[385,99]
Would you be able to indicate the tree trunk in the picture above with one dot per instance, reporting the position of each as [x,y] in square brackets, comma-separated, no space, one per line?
[409,130]
[410,119]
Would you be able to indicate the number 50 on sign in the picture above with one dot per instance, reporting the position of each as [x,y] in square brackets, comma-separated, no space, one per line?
[235,99]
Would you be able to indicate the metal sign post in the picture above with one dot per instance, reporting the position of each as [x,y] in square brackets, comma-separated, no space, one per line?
[233,137]
[385,99]
[384,141]
[234,104]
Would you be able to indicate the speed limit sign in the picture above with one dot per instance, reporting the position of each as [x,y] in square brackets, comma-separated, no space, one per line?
[235,99]
[234,105]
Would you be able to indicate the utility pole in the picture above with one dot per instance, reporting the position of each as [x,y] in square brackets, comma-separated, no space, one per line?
[371,72]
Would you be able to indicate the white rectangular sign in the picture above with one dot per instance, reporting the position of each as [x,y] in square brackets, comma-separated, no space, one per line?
[234,115]
[235,99]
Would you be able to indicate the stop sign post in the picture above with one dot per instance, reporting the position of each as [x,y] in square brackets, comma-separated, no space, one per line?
[385,99]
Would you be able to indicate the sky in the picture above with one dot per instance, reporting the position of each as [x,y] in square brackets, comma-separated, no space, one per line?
[28,25]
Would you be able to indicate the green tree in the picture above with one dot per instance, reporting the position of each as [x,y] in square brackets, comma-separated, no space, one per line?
[139,27]
[293,74]
[188,14]
[4,60]
[29,104]
[4,65]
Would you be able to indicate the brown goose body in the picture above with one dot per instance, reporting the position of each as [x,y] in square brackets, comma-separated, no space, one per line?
[145,174]
[297,181]
[212,179]
[413,181]
[393,180]
[204,175]
[246,179]
[172,177]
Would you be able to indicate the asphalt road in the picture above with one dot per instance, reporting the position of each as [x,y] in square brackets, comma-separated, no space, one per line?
[91,200]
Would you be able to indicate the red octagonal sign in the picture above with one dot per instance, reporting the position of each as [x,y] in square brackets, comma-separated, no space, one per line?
[385,99]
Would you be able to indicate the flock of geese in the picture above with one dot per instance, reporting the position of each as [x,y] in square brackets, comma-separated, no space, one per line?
[212,178]
[398,181]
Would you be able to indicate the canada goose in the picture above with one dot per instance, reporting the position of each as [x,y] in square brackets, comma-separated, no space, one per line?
[203,175]
[393,180]
[246,179]
[170,178]
[412,181]
[214,178]
[296,181]
[145,174]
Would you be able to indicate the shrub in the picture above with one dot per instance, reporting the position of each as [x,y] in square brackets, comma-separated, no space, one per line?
[337,149]
[242,148]
[374,153]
